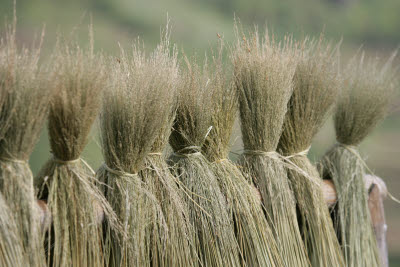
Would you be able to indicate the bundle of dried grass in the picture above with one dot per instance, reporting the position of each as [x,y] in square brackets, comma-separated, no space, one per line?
[66,181]
[253,232]
[363,103]
[316,85]
[263,77]
[214,237]
[175,249]
[11,247]
[136,107]
[22,116]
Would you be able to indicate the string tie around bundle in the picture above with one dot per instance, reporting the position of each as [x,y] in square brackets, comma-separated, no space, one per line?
[299,154]
[353,149]
[65,162]
[155,154]
[271,154]
[188,151]
[13,160]
[119,172]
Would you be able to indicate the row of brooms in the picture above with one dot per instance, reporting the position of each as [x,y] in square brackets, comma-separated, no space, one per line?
[192,206]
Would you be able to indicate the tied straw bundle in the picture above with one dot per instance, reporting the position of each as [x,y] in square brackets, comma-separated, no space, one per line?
[214,233]
[11,248]
[175,249]
[253,233]
[136,106]
[363,104]
[24,110]
[316,85]
[66,181]
[263,76]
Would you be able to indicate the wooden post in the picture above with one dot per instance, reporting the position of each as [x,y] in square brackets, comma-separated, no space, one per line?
[377,192]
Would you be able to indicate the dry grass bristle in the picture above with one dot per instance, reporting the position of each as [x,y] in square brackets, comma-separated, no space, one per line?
[66,182]
[214,232]
[365,100]
[11,247]
[175,248]
[136,106]
[264,70]
[22,115]
[253,232]
[367,91]
[316,85]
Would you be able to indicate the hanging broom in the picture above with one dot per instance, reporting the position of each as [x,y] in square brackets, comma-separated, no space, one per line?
[66,181]
[263,77]
[316,85]
[364,102]
[136,106]
[22,116]
[253,232]
[214,239]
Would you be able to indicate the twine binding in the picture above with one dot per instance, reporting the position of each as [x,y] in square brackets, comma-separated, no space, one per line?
[118,172]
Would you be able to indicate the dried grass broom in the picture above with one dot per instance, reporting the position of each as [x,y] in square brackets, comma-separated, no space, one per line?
[66,181]
[253,232]
[214,238]
[263,76]
[22,116]
[175,249]
[136,106]
[362,105]
[11,248]
[316,85]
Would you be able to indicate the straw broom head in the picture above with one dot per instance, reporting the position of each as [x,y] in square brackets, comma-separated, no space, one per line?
[136,106]
[22,116]
[316,85]
[264,70]
[66,181]
[253,233]
[367,90]
[176,247]
[214,237]
[263,75]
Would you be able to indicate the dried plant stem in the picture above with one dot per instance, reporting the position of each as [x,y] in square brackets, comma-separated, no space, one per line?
[214,238]
[352,219]
[255,237]
[17,187]
[77,207]
[176,247]
[279,203]
[11,247]
[314,220]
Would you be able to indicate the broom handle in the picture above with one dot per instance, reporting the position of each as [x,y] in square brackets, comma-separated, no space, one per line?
[377,191]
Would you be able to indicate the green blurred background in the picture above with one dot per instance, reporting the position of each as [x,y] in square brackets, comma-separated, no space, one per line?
[374,24]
